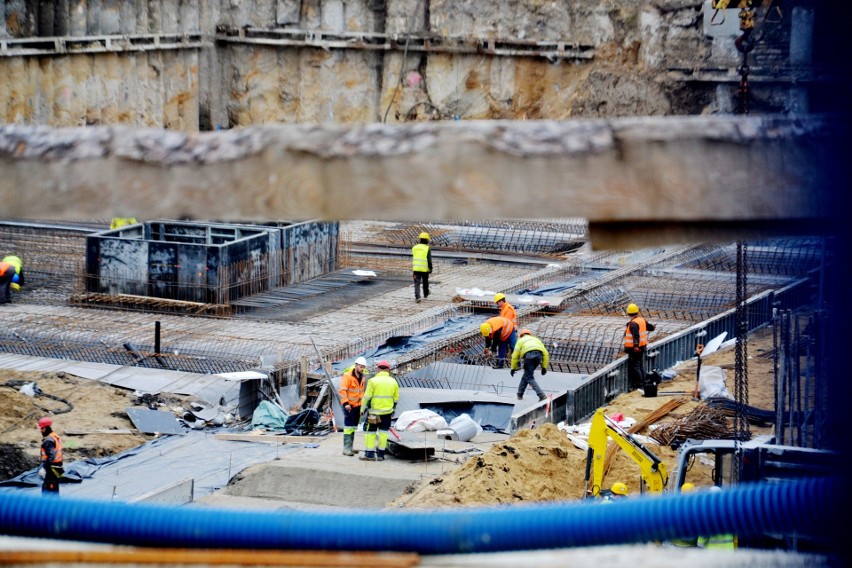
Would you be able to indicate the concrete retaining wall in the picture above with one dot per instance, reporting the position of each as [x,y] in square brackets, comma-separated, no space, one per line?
[221,64]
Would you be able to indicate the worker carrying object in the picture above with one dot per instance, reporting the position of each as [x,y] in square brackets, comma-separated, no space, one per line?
[352,386]
[51,458]
[532,351]
[422,266]
[507,310]
[635,345]
[379,404]
[500,336]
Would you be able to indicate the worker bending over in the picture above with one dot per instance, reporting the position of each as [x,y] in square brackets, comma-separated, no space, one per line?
[532,351]
[379,404]
[500,337]
[11,277]
[352,386]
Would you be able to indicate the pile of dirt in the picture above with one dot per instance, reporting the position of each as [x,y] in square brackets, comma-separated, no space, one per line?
[14,461]
[94,406]
[543,465]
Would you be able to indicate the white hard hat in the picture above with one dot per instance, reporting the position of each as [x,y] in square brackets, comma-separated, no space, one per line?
[361,361]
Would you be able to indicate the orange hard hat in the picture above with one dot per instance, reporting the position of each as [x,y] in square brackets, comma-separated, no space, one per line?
[383,364]
[524,332]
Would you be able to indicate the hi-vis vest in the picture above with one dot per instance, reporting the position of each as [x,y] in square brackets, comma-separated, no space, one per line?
[382,393]
[720,541]
[420,253]
[57,456]
[502,325]
[14,261]
[643,333]
[351,388]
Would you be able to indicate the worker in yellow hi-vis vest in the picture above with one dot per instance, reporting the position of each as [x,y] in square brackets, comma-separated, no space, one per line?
[422,266]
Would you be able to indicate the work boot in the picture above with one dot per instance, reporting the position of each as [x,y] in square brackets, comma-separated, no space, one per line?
[367,455]
[348,439]
[542,397]
[520,397]
[380,455]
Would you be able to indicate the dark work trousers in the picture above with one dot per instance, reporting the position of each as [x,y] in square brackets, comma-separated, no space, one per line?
[505,348]
[6,286]
[421,277]
[50,485]
[532,359]
[351,417]
[636,369]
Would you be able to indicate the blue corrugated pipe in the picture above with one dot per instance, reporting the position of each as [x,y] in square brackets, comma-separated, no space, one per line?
[803,507]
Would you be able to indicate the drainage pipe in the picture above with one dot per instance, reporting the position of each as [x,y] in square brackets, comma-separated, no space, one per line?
[801,507]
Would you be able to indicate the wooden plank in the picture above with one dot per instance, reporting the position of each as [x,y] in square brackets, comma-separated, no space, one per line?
[175,557]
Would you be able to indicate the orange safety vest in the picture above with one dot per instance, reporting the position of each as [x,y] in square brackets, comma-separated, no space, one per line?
[643,333]
[502,325]
[508,312]
[351,388]
[57,456]
[5,266]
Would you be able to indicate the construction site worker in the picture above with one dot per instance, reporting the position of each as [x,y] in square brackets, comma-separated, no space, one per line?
[51,458]
[531,349]
[352,386]
[18,278]
[688,542]
[725,541]
[422,266]
[500,337]
[635,345]
[507,310]
[380,400]
[7,273]
[118,222]
[616,492]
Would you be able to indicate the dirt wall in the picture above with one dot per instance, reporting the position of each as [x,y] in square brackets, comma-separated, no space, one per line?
[361,61]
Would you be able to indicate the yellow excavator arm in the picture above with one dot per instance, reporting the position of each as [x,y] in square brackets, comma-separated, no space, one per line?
[652,468]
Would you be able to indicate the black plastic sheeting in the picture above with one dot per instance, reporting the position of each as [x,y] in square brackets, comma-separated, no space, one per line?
[558,288]
[156,464]
[397,346]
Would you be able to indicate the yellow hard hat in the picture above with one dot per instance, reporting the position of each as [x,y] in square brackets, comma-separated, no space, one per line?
[620,489]
[424,235]
[687,487]
[485,329]
[632,309]
[498,296]
[15,287]
[524,332]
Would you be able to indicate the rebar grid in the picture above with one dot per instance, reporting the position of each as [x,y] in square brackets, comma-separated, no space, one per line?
[790,257]
[519,235]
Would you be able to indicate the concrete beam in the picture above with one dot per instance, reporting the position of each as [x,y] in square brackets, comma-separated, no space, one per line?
[632,173]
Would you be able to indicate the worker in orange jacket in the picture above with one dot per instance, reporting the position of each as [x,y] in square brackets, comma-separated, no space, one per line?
[635,345]
[51,458]
[507,310]
[352,386]
[500,335]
